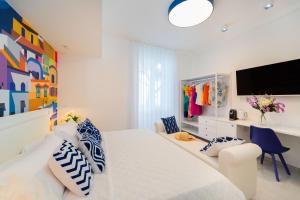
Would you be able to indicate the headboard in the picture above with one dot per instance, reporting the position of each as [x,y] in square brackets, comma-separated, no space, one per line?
[18,130]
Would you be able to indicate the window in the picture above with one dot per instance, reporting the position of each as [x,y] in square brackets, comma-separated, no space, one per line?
[155,85]
[12,86]
[23,32]
[45,91]
[2,109]
[25,53]
[52,78]
[22,106]
[52,91]
[38,91]
[31,38]
[23,87]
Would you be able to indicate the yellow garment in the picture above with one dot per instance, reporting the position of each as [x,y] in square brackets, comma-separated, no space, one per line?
[183,136]
[185,89]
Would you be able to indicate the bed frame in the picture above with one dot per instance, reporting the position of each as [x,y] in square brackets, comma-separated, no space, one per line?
[18,130]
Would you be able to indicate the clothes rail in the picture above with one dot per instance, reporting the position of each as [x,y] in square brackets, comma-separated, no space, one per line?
[202,80]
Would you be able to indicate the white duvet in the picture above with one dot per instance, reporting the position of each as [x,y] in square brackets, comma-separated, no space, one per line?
[143,166]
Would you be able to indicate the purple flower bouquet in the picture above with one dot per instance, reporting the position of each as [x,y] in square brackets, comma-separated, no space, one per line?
[266,104]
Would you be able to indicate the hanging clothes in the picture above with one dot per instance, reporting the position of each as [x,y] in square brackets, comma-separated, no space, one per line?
[221,93]
[190,95]
[212,93]
[205,94]
[199,91]
[196,110]
[185,102]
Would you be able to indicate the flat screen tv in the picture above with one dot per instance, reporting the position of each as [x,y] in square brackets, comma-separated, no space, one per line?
[274,79]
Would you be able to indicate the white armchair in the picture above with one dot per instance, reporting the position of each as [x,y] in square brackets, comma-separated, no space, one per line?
[238,163]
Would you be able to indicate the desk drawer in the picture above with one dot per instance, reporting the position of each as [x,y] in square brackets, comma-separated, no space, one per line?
[207,132]
[226,129]
[207,122]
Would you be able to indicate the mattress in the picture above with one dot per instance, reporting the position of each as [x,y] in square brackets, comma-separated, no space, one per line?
[141,165]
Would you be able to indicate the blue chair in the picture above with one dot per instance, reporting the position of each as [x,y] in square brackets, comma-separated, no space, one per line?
[268,141]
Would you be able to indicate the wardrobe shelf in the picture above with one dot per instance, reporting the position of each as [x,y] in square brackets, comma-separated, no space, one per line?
[190,130]
[191,123]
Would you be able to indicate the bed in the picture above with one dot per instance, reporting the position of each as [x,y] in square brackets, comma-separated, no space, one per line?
[155,169]
[141,165]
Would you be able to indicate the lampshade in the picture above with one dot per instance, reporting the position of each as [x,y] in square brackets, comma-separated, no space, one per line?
[186,13]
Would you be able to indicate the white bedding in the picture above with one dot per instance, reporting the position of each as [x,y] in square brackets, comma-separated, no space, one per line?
[28,177]
[143,166]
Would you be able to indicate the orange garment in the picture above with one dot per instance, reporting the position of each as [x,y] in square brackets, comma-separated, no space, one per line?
[206,94]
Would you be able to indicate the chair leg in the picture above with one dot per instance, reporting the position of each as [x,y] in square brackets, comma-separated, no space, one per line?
[262,158]
[275,167]
[284,164]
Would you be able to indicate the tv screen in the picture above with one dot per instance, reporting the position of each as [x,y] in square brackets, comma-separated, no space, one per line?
[274,79]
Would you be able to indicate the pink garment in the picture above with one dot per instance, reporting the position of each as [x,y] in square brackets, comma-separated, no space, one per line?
[195,109]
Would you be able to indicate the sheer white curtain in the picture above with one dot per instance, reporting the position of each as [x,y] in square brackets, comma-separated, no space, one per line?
[155,84]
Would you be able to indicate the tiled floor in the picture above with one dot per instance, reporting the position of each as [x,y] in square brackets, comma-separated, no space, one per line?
[269,189]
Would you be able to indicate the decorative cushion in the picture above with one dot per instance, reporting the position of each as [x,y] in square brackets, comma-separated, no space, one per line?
[94,153]
[217,144]
[87,129]
[170,124]
[72,168]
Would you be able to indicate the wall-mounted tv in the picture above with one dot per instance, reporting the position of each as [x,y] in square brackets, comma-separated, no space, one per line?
[274,79]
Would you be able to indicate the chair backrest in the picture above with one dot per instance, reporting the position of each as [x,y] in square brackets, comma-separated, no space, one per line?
[265,138]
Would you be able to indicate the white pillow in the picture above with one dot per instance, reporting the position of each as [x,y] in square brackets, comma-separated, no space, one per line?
[217,144]
[72,168]
[67,132]
[29,176]
[33,145]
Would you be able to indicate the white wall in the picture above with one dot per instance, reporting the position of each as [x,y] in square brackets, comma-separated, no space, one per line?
[275,42]
[101,88]
[98,88]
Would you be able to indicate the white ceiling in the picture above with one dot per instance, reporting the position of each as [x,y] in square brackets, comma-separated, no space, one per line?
[75,24]
[147,21]
[78,24]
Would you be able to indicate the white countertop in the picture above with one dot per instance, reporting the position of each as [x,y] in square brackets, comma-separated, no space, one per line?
[293,131]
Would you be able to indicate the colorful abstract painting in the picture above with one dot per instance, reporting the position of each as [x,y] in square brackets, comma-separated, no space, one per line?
[28,67]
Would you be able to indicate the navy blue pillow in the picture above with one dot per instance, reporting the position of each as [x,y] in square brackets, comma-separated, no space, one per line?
[94,153]
[87,129]
[170,124]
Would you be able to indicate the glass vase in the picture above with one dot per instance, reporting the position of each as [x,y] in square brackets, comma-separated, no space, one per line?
[263,119]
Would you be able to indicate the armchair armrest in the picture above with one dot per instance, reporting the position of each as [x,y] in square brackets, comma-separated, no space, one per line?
[239,165]
[159,127]
[240,153]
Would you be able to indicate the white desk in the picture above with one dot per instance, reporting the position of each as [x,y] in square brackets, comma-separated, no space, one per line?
[277,128]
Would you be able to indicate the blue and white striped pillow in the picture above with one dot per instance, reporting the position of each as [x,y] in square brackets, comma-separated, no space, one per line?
[87,129]
[94,153]
[72,168]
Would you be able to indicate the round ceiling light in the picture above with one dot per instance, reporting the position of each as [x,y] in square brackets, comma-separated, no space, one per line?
[186,13]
